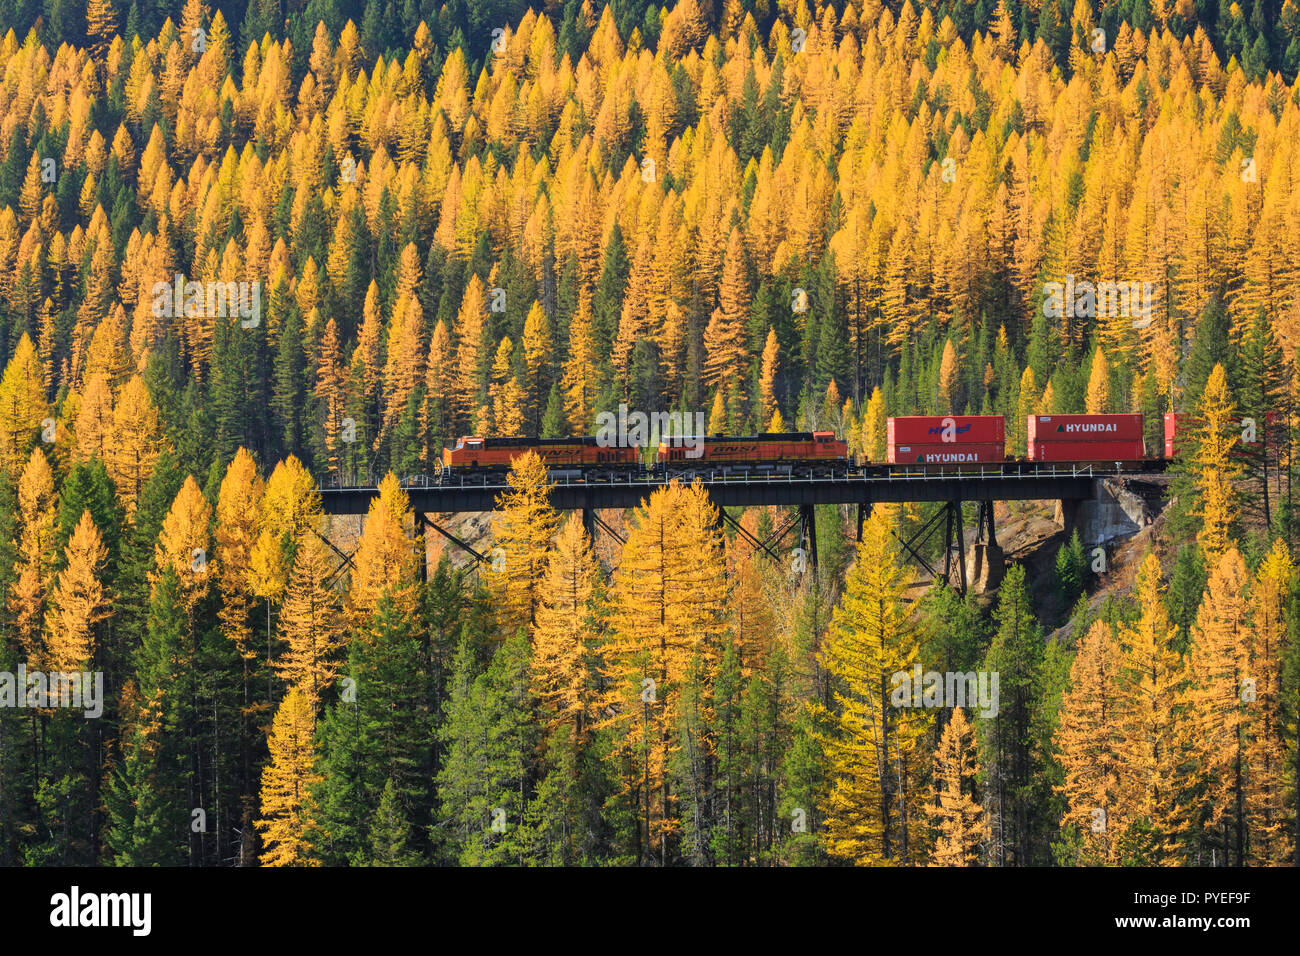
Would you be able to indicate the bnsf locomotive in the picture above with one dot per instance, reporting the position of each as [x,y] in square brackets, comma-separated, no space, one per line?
[561,455]
[809,452]
[916,442]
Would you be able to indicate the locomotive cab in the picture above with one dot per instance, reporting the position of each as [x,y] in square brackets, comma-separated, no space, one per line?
[464,454]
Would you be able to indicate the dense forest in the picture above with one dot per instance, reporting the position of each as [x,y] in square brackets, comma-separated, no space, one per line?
[249,251]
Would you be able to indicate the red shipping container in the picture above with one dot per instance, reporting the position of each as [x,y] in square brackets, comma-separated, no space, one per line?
[946,453]
[1178,424]
[1133,450]
[1173,420]
[930,429]
[1053,428]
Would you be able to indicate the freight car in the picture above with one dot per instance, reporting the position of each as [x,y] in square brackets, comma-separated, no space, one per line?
[814,454]
[923,442]
[1273,430]
[1085,438]
[564,457]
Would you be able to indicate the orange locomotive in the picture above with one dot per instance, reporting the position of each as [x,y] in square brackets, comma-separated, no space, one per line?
[778,453]
[559,454]
[815,452]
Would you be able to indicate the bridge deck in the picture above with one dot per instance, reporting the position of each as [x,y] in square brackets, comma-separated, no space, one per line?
[884,483]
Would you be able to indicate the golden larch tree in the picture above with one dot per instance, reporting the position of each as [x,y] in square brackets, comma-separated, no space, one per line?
[79,601]
[34,567]
[771,365]
[564,633]
[667,611]
[539,356]
[1151,680]
[949,380]
[522,526]
[1270,836]
[94,421]
[874,814]
[1213,465]
[183,544]
[960,823]
[287,781]
[581,369]
[385,559]
[1214,778]
[309,623]
[22,405]
[471,353]
[1098,399]
[239,500]
[290,511]
[1087,742]
[136,441]
[1017,433]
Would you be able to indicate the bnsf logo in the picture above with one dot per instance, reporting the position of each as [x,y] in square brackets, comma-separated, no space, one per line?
[961,429]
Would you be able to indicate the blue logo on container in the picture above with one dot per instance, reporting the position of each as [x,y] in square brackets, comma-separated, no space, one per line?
[961,429]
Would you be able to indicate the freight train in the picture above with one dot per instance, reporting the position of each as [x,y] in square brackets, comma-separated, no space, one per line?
[919,443]
[809,453]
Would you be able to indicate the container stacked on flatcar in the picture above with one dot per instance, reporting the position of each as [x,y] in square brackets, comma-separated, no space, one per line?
[1179,424]
[944,439]
[1085,438]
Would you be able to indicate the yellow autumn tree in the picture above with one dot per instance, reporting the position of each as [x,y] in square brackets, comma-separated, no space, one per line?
[309,623]
[1087,742]
[752,618]
[1270,837]
[22,406]
[873,427]
[79,601]
[136,441]
[1213,465]
[1214,743]
[960,823]
[471,353]
[522,526]
[1098,399]
[385,559]
[949,380]
[94,421]
[238,503]
[287,780]
[667,618]
[34,567]
[874,813]
[290,511]
[539,356]
[101,24]
[771,365]
[564,633]
[581,369]
[1017,431]
[1151,679]
[183,544]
